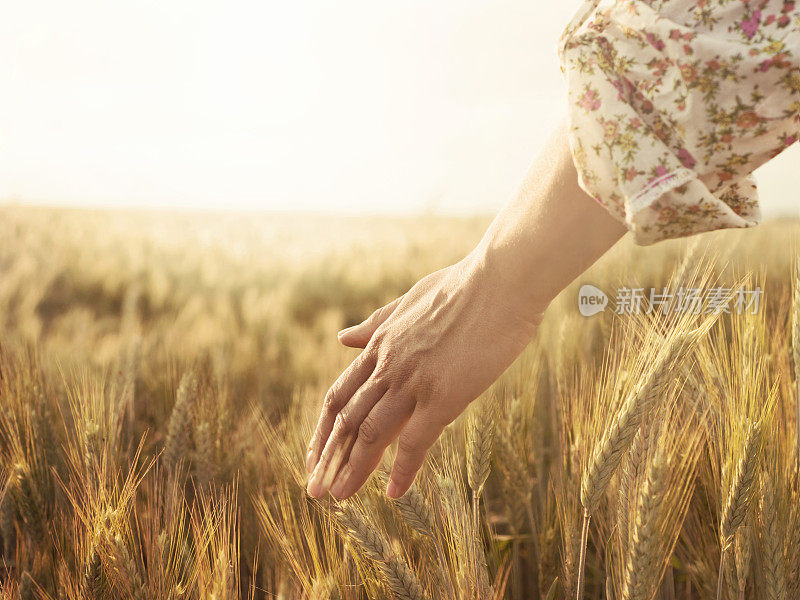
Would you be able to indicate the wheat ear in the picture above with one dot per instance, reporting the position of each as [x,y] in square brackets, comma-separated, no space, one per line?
[744,476]
[400,579]
[552,593]
[179,432]
[222,586]
[793,548]
[29,501]
[633,464]
[479,448]
[125,566]
[480,436]
[92,577]
[742,552]
[617,439]
[417,515]
[26,586]
[641,571]
[204,459]
[8,521]
[738,501]
[772,543]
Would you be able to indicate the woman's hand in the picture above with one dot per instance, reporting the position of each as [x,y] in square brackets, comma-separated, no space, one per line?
[426,356]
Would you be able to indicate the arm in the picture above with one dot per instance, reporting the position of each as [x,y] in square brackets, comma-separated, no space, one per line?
[432,351]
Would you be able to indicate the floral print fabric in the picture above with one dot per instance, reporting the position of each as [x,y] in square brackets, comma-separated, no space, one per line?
[673,104]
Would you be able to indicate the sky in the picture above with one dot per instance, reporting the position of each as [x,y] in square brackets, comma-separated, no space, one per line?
[312,105]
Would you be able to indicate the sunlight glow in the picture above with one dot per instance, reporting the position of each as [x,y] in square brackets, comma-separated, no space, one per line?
[349,106]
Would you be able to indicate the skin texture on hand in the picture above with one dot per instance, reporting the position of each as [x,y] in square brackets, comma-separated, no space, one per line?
[431,352]
[439,347]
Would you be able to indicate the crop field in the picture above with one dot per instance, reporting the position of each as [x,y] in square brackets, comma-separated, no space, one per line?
[160,375]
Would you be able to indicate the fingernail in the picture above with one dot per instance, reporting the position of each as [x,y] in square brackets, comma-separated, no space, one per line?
[310,462]
[314,487]
[345,330]
[393,490]
[340,483]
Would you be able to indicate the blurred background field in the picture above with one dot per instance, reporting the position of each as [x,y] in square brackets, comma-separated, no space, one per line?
[260,296]
[161,371]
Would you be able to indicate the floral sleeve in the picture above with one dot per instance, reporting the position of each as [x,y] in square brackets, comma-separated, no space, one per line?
[673,104]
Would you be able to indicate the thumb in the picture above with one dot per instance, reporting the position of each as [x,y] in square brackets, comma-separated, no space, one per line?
[358,336]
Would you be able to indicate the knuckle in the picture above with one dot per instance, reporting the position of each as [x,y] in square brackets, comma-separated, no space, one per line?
[408,451]
[331,402]
[384,366]
[405,469]
[368,432]
[427,390]
[343,423]
[376,315]
[312,443]
[379,336]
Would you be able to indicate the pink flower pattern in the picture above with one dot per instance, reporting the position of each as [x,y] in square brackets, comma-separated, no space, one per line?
[674,103]
[750,26]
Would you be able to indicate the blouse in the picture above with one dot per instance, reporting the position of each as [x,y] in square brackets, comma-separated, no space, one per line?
[674,103]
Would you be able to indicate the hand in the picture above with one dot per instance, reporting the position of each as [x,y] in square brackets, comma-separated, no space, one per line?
[426,356]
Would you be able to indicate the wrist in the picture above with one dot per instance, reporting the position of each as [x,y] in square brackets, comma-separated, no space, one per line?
[511,278]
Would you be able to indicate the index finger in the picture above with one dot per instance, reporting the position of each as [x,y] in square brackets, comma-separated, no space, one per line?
[335,400]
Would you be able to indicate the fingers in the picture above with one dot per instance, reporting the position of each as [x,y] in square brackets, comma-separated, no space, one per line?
[379,428]
[335,400]
[358,336]
[417,437]
[343,434]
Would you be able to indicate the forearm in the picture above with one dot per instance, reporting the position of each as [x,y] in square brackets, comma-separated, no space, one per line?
[550,232]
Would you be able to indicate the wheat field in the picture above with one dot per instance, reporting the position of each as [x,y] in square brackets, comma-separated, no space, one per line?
[160,374]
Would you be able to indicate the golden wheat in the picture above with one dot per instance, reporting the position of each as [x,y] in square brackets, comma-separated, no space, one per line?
[135,343]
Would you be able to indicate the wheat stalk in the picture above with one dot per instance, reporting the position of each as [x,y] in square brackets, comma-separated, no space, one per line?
[552,593]
[519,487]
[796,361]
